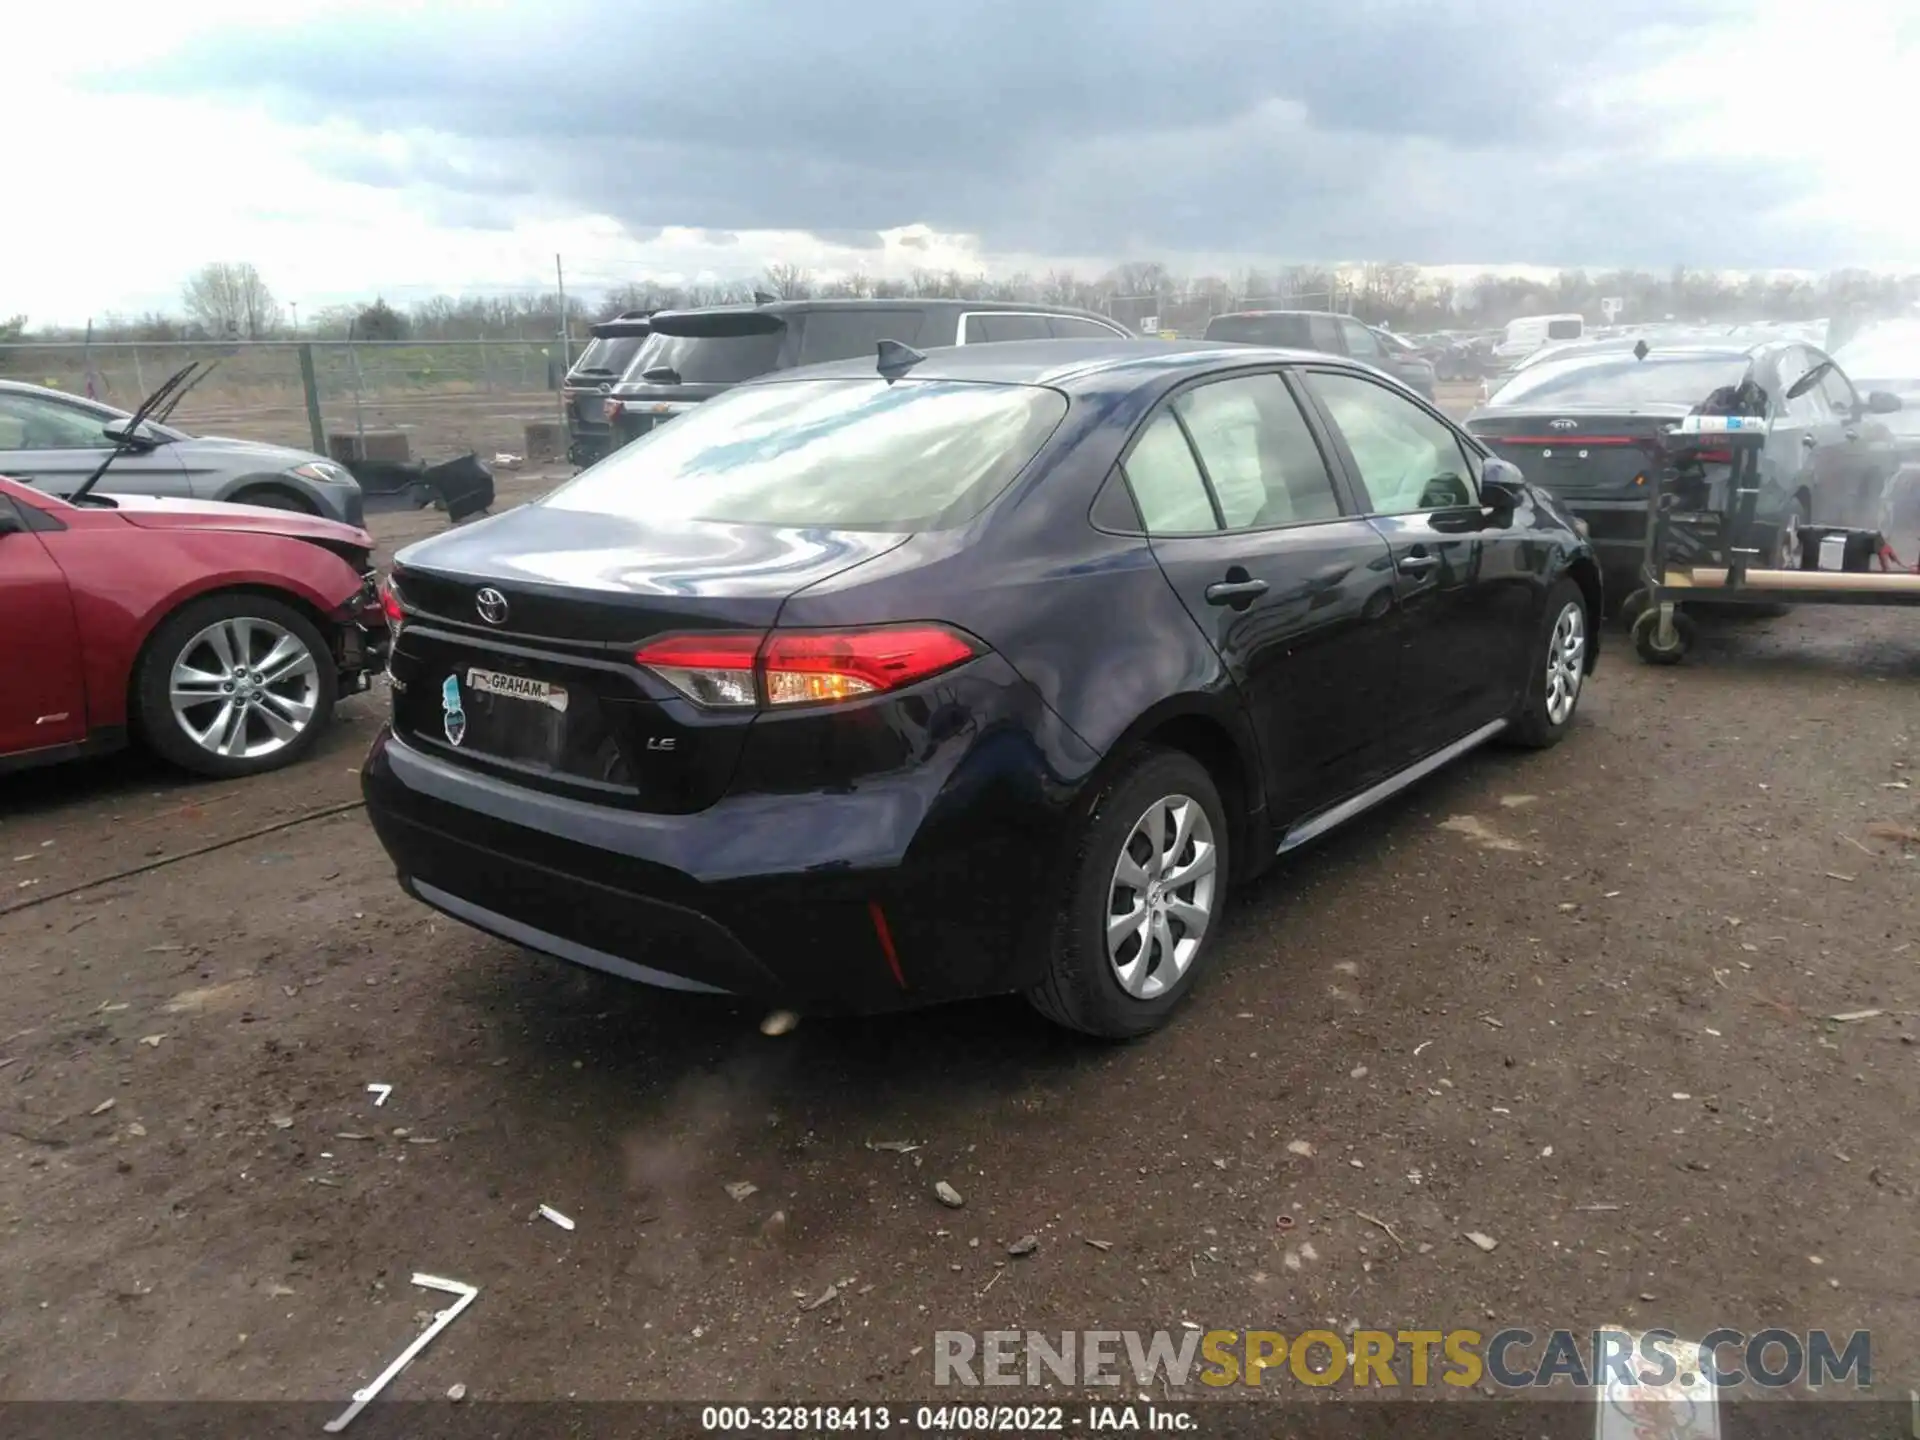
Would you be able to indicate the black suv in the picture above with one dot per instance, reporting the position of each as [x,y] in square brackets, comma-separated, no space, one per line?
[1332,335]
[584,393]
[693,355]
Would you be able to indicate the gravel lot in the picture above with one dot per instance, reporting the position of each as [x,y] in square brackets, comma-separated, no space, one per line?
[1574,1001]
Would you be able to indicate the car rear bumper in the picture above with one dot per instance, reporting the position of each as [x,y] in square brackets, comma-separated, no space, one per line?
[851,902]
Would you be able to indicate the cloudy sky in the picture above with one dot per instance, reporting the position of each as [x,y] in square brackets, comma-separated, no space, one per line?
[412,148]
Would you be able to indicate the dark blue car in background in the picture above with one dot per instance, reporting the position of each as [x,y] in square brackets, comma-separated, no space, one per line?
[867,686]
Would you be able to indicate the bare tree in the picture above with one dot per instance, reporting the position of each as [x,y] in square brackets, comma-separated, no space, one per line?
[231,301]
[789,282]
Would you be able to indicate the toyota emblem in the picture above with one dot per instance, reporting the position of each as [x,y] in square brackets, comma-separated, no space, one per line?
[492,606]
[1566,425]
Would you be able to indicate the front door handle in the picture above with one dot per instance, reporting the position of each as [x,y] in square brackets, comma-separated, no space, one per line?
[1235,592]
[1417,564]
[1809,441]
[1853,434]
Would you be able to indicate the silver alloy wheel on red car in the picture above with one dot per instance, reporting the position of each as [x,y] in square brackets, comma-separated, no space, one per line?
[1161,899]
[244,687]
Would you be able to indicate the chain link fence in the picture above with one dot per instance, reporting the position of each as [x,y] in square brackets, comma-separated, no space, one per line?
[446,397]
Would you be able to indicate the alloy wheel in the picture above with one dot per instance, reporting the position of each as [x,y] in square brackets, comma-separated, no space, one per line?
[244,687]
[1161,898]
[1566,662]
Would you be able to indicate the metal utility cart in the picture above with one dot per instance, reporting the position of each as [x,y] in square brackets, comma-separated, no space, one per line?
[1662,631]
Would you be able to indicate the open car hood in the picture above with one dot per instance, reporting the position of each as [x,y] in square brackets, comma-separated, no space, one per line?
[154,512]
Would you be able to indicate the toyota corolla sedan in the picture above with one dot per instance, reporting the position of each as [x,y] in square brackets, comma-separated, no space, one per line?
[986,671]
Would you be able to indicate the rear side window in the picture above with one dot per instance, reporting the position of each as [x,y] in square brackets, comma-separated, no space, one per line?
[1166,483]
[990,329]
[1072,327]
[1409,461]
[854,334]
[1261,458]
[826,455]
[1323,333]
[707,359]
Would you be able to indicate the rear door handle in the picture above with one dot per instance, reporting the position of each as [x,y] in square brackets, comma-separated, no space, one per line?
[1228,592]
[1853,434]
[1809,441]
[1417,564]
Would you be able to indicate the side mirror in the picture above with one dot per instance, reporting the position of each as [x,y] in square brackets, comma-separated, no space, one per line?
[141,439]
[1502,485]
[1882,402]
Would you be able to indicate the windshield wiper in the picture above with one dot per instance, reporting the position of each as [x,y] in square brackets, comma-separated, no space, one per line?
[129,432]
[166,411]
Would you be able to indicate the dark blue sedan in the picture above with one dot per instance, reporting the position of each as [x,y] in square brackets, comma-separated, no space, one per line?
[983,671]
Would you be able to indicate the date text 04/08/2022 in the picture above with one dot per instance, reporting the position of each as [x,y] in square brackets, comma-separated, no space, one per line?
[946,1419]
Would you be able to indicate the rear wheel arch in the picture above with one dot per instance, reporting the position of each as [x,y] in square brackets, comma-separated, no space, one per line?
[1228,758]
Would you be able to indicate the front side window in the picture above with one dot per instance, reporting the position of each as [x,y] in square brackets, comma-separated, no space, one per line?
[1409,461]
[1166,483]
[1259,455]
[1807,406]
[1323,333]
[33,422]
[835,454]
[1841,396]
[989,329]
[1072,327]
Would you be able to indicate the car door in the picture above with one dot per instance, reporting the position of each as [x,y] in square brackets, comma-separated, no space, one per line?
[53,444]
[1246,518]
[1867,453]
[1466,582]
[43,695]
[1805,447]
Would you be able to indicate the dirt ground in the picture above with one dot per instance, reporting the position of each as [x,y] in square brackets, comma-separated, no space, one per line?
[1574,1001]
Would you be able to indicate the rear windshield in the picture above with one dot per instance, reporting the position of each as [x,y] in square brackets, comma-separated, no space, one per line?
[833,454]
[1278,330]
[1563,329]
[1622,380]
[608,358]
[708,359]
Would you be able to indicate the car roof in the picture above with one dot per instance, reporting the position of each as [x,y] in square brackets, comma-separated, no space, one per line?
[1060,363]
[1263,314]
[933,303]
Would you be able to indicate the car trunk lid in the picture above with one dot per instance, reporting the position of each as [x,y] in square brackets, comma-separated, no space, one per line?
[1585,453]
[534,617]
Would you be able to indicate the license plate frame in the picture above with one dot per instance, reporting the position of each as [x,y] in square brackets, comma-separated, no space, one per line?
[505,686]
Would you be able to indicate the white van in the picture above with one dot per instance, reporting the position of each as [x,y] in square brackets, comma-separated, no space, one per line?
[1530,332]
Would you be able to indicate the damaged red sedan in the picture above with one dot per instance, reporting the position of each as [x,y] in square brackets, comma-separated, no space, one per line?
[217,635]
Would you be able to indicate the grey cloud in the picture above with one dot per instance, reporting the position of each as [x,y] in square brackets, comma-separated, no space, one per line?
[1436,130]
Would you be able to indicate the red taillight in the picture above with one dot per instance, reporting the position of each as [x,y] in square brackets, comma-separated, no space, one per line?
[1714,457]
[390,606]
[1572,442]
[803,667]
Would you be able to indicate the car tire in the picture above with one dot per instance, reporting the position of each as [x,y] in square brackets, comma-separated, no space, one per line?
[1556,669]
[269,498]
[1119,992]
[200,645]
